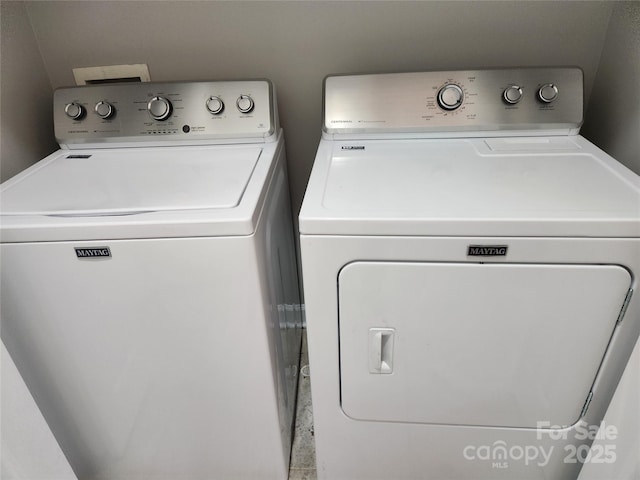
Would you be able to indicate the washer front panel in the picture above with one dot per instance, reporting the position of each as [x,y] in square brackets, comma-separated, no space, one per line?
[506,345]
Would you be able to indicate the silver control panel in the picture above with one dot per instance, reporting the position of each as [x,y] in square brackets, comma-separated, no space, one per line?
[164,113]
[531,99]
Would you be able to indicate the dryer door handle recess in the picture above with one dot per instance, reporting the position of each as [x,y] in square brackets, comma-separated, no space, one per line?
[381,350]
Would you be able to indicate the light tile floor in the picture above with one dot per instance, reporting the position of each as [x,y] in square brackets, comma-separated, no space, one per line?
[303,452]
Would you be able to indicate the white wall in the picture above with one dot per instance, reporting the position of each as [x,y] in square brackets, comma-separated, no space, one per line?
[296,44]
[613,114]
[26,131]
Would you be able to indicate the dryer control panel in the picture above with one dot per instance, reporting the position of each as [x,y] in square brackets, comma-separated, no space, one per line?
[549,100]
[165,113]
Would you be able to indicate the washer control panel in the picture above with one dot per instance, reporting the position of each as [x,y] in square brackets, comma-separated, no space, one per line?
[189,112]
[531,99]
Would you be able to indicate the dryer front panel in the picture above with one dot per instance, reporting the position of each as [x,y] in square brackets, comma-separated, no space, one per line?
[509,345]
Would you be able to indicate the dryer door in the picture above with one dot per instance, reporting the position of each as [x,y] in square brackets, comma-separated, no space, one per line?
[474,344]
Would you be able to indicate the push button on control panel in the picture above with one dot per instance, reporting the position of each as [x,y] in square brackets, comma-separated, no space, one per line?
[159,108]
[215,105]
[547,93]
[74,111]
[104,110]
[245,103]
[512,94]
[450,97]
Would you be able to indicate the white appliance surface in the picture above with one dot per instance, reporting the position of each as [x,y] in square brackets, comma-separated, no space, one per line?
[129,181]
[497,186]
[624,415]
[149,294]
[29,450]
[470,272]
[214,194]
[501,376]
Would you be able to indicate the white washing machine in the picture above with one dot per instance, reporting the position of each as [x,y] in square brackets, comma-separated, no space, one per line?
[149,283]
[469,263]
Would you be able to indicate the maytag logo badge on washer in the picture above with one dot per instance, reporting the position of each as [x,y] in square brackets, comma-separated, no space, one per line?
[96,252]
[487,250]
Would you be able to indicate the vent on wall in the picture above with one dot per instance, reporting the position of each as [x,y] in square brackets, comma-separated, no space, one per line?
[112,74]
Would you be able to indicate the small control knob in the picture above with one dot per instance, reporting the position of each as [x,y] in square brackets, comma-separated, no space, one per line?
[245,103]
[159,108]
[547,93]
[74,110]
[450,97]
[215,105]
[512,94]
[104,110]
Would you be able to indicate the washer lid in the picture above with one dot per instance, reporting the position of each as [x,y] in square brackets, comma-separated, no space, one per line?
[85,183]
[557,186]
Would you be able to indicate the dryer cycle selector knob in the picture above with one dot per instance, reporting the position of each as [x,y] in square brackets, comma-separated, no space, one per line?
[547,93]
[245,103]
[159,108]
[74,110]
[512,94]
[215,105]
[450,97]
[104,110]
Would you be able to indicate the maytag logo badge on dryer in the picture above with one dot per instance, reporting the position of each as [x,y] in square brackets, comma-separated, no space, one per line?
[487,250]
[95,252]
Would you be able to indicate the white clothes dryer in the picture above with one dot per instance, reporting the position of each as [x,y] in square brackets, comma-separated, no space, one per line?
[469,263]
[149,284]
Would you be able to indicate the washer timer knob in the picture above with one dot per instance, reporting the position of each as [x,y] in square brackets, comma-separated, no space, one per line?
[104,110]
[547,93]
[244,103]
[215,105]
[159,108]
[74,110]
[512,94]
[450,97]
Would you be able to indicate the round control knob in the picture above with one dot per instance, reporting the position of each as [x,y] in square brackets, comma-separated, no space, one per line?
[104,110]
[244,103]
[450,97]
[215,105]
[512,94]
[159,108]
[74,110]
[547,93]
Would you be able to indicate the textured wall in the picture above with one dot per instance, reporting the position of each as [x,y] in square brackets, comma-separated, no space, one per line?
[296,44]
[26,131]
[613,114]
